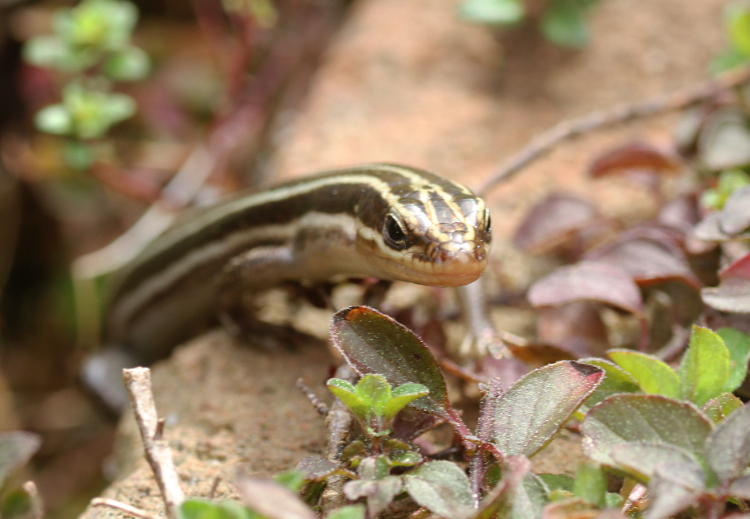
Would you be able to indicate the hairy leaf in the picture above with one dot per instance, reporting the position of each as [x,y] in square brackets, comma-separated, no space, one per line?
[733,292]
[643,460]
[671,493]
[616,380]
[588,280]
[441,487]
[514,471]
[738,344]
[728,446]
[722,406]
[652,419]
[653,375]
[528,414]
[372,342]
[704,369]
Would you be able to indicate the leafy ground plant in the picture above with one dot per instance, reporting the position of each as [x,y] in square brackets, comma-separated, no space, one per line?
[90,48]
[16,449]
[562,22]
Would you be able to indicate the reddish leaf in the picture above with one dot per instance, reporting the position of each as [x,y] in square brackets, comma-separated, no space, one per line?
[681,213]
[634,156]
[733,292]
[647,260]
[372,342]
[576,327]
[588,280]
[554,220]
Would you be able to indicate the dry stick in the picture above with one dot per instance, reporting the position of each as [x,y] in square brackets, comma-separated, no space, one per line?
[105,502]
[37,505]
[158,454]
[545,142]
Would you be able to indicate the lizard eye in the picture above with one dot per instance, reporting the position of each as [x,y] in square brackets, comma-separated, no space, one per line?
[394,234]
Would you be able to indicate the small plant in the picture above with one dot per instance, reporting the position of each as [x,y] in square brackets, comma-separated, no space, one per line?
[91,49]
[562,22]
[737,20]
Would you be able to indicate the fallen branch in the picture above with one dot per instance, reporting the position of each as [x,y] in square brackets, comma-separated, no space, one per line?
[151,427]
[545,142]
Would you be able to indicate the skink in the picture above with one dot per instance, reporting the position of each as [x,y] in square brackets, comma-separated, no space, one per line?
[381,220]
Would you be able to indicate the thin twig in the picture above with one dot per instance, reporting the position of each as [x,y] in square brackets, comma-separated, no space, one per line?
[320,406]
[104,502]
[634,499]
[545,142]
[37,504]
[158,454]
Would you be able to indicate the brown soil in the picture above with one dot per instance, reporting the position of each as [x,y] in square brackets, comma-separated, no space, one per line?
[409,82]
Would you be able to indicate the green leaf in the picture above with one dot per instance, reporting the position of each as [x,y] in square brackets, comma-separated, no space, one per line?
[375,391]
[527,500]
[524,418]
[348,512]
[402,396]
[738,26]
[441,487]
[728,446]
[654,376]
[494,12]
[16,504]
[291,479]
[558,482]
[78,155]
[16,449]
[704,369]
[590,484]
[739,353]
[372,342]
[564,23]
[44,51]
[347,393]
[129,64]
[651,419]
[727,60]
[722,406]
[616,380]
[203,509]
[54,119]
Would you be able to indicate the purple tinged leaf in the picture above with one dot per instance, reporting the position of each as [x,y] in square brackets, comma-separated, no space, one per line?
[648,261]
[441,487]
[724,142]
[588,280]
[740,487]
[316,468]
[670,494]
[576,327]
[735,216]
[644,460]
[652,374]
[526,500]
[378,492]
[372,342]
[528,415]
[728,446]
[733,292]
[624,419]
[272,500]
[634,156]
[16,449]
[554,220]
